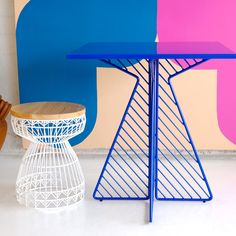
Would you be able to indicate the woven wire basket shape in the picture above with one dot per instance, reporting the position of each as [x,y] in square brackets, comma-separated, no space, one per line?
[50,175]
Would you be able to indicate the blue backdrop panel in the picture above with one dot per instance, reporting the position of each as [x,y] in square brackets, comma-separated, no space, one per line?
[48,30]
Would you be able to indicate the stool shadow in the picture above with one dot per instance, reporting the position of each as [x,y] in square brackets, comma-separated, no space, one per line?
[8,196]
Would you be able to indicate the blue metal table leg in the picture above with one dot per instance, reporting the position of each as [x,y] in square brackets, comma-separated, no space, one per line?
[125,173]
[153,152]
[180,175]
[153,125]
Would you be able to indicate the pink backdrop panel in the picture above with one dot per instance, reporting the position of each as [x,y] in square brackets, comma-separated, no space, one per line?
[206,20]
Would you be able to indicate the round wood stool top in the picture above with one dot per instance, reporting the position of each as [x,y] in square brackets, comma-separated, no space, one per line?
[47,110]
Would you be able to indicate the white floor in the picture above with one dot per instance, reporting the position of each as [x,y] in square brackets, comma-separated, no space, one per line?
[122,218]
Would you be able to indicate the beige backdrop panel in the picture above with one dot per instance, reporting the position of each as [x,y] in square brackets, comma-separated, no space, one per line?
[19,5]
[196,91]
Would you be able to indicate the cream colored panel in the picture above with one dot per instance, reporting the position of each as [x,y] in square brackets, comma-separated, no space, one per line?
[114,90]
[19,5]
[196,91]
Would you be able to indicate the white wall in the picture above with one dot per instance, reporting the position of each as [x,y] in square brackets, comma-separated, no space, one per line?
[8,68]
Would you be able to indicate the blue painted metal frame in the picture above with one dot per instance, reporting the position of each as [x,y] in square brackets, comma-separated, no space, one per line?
[124,69]
[210,196]
[153,131]
[140,174]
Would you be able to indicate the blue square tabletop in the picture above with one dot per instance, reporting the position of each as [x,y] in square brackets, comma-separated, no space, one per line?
[152,50]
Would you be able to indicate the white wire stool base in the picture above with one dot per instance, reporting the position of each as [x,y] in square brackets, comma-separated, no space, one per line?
[50,176]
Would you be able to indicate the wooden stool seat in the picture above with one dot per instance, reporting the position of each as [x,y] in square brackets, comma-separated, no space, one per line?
[47,110]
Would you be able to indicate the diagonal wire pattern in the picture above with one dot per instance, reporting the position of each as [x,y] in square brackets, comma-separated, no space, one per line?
[125,174]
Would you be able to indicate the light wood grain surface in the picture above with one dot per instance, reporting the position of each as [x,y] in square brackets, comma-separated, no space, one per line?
[47,110]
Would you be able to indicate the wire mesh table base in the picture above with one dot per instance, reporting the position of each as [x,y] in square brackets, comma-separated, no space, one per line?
[153,155]
[50,176]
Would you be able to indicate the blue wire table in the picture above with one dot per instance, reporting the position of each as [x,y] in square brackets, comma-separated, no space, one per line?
[153,155]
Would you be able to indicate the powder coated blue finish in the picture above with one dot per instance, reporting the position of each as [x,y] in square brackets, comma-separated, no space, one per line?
[153,131]
[162,168]
[132,172]
[186,180]
[48,30]
[151,50]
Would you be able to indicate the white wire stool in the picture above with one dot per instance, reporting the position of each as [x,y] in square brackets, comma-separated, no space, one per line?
[50,175]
